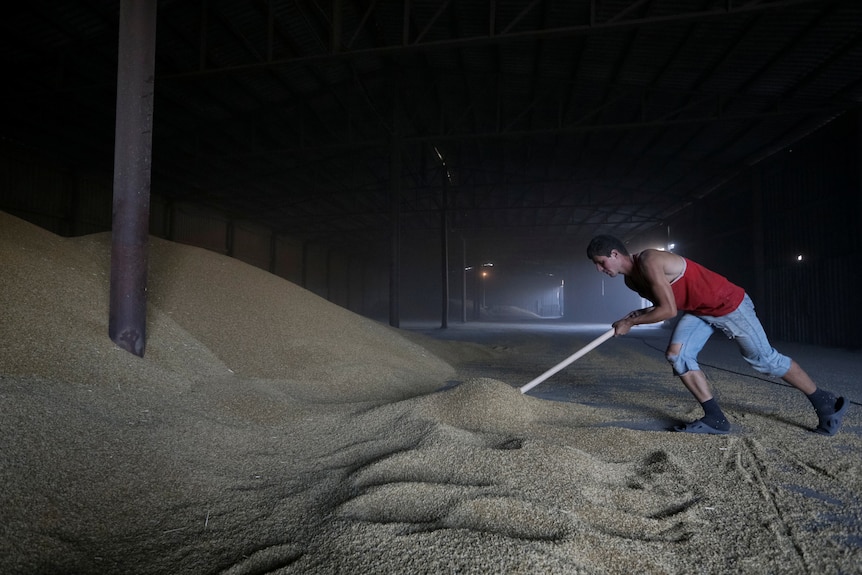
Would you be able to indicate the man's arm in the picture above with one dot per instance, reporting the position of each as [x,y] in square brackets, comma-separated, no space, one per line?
[640,312]
[652,265]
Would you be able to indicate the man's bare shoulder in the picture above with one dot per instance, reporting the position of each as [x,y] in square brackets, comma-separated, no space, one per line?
[653,256]
[669,263]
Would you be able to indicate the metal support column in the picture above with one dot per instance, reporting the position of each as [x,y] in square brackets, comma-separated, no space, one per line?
[132,158]
[395,223]
[463,280]
[444,251]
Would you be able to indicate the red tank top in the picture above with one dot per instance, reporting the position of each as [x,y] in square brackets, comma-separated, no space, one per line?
[704,292]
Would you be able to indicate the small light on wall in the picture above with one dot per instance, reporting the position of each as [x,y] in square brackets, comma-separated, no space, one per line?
[670,247]
[799,258]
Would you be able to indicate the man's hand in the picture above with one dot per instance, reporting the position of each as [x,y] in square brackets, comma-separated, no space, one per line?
[623,326]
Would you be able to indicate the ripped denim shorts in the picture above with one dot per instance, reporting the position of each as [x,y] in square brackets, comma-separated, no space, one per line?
[742,326]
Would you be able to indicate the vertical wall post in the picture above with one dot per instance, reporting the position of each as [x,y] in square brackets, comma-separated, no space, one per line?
[132,159]
[229,234]
[757,232]
[444,250]
[71,197]
[306,250]
[857,192]
[463,280]
[395,223]
[273,252]
[330,294]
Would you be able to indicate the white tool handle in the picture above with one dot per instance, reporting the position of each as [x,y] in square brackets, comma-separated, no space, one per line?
[571,359]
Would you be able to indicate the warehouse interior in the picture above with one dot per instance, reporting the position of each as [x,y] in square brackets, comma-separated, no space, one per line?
[365,226]
[348,145]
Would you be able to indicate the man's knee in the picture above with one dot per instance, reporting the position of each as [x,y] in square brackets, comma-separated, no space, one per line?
[772,364]
[680,361]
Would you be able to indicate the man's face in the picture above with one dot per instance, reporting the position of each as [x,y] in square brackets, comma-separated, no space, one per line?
[608,264]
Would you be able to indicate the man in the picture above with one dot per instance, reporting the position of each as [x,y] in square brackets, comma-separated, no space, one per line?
[672,282]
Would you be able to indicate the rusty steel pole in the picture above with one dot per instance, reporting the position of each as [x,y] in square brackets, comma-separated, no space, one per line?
[132,159]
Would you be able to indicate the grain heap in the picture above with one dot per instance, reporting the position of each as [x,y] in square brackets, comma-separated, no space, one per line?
[266,430]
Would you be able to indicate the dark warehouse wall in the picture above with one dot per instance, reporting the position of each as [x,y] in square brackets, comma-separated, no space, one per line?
[805,200]
[69,201]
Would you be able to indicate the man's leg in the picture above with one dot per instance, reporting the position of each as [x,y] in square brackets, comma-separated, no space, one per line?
[689,337]
[746,329]
[695,381]
[830,409]
[797,377]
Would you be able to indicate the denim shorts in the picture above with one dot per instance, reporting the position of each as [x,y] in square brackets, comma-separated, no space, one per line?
[742,326]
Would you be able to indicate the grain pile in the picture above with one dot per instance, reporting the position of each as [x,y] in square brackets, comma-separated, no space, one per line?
[268,431]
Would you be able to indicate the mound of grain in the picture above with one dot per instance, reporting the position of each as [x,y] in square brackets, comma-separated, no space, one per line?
[267,431]
[480,404]
[209,316]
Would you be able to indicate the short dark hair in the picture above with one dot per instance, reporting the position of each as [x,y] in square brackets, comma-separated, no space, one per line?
[604,245]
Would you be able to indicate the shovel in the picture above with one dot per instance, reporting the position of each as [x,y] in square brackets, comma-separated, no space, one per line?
[571,359]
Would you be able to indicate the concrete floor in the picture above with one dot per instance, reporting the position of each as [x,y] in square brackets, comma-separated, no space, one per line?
[527,349]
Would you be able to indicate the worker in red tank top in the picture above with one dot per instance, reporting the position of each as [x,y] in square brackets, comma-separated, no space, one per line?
[710,301]
[699,290]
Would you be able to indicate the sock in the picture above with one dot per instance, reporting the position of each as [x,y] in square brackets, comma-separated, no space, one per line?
[823,401]
[713,416]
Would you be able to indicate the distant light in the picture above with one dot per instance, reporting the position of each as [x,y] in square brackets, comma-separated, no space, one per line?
[488,265]
[799,258]
[484,274]
[468,268]
[670,247]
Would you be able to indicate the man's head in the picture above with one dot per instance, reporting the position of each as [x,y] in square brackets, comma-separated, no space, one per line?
[609,254]
[604,245]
